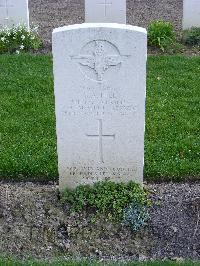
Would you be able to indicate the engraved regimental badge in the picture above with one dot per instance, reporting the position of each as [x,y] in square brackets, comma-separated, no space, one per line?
[97,58]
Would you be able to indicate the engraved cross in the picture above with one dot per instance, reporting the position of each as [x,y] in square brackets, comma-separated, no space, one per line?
[106,5]
[6,6]
[100,136]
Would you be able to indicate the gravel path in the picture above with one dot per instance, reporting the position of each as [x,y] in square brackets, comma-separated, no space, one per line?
[34,223]
[49,14]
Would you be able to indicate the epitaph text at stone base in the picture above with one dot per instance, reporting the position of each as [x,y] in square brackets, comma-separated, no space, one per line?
[100,84]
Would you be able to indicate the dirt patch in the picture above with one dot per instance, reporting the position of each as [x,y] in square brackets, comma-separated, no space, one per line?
[186,51]
[50,14]
[33,222]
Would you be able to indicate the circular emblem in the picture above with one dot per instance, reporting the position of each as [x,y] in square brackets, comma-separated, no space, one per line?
[98,59]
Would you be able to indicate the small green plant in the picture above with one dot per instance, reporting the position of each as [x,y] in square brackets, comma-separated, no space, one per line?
[107,198]
[191,36]
[161,34]
[18,39]
[136,216]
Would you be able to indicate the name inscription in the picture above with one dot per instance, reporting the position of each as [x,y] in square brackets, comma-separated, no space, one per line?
[99,102]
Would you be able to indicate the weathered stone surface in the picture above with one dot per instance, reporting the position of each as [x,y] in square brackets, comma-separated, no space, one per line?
[106,11]
[13,12]
[100,79]
[191,13]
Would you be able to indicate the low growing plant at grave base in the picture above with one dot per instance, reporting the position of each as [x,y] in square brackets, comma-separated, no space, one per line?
[107,198]
[18,39]
[161,34]
[191,36]
[136,216]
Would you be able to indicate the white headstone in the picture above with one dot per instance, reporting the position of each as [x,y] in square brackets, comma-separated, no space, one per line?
[105,11]
[13,12]
[100,80]
[191,13]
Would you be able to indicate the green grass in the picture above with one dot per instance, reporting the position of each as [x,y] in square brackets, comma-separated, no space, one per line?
[172,143]
[27,121]
[15,262]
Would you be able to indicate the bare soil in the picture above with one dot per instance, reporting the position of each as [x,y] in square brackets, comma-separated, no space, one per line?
[50,14]
[33,222]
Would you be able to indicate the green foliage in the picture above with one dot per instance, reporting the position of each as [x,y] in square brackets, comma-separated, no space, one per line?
[136,216]
[106,198]
[11,261]
[172,138]
[161,34]
[27,116]
[18,39]
[191,36]
[174,48]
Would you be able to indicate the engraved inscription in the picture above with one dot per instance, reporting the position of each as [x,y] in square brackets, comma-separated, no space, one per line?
[106,4]
[98,56]
[99,102]
[6,4]
[100,172]
[100,136]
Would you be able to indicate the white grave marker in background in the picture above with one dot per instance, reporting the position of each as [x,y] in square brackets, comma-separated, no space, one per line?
[100,81]
[191,13]
[107,11]
[13,12]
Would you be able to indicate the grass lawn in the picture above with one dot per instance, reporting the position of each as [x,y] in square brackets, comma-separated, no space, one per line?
[27,121]
[12,262]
